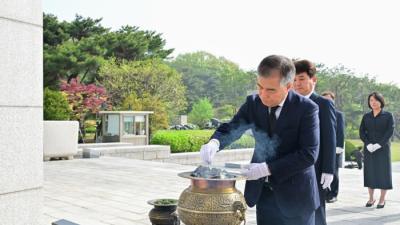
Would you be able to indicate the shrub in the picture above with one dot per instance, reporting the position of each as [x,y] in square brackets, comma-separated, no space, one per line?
[349,150]
[90,124]
[245,141]
[90,130]
[352,134]
[55,106]
[192,140]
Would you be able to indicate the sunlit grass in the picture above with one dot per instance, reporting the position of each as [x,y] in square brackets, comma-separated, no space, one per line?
[395,148]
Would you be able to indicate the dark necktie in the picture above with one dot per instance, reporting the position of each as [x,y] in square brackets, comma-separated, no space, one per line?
[272,118]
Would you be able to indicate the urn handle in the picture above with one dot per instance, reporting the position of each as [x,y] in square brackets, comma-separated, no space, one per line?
[238,205]
[176,218]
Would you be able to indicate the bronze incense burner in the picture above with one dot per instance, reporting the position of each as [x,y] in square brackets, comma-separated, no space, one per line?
[163,214]
[212,201]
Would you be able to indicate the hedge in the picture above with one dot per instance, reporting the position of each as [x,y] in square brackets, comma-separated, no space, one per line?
[90,130]
[192,140]
[350,149]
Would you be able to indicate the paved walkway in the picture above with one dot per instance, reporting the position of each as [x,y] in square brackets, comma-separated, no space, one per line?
[116,190]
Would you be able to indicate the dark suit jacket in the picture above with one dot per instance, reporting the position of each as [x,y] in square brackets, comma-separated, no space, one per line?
[340,129]
[327,147]
[290,153]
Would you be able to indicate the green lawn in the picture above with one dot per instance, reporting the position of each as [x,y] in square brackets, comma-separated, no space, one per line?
[395,149]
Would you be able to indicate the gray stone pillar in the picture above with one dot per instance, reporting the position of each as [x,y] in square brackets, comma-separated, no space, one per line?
[21,112]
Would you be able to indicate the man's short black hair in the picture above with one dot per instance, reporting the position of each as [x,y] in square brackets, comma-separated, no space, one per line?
[305,66]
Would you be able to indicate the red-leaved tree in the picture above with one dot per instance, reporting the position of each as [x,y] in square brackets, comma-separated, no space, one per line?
[84,99]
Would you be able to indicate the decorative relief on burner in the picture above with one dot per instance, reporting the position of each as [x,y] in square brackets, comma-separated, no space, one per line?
[211,208]
[209,202]
[190,218]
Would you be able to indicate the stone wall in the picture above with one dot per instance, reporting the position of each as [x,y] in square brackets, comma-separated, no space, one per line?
[21,112]
[161,153]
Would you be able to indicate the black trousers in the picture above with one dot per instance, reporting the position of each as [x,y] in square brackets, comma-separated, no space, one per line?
[359,162]
[335,182]
[268,212]
[320,213]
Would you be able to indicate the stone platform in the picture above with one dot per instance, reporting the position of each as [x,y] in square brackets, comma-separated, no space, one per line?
[110,190]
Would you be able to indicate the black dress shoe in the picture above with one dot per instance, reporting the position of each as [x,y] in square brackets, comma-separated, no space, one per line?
[331,200]
[369,205]
[381,206]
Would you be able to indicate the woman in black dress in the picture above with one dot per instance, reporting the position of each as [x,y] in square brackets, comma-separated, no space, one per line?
[376,129]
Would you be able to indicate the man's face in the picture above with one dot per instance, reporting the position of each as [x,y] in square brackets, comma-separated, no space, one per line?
[270,91]
[303,84]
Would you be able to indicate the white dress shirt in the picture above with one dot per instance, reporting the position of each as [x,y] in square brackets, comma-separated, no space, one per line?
[278,110]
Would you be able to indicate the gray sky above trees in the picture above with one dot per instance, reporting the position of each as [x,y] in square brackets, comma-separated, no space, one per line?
[361,35]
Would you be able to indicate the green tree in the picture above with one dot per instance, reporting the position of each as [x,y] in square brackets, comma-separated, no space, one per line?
[79,48]
[123,78]
[235,83]
[55,106]
[225,111]
[202,112]
[130,43]
[206,75]
[71,49]
[200,72]
[158,120]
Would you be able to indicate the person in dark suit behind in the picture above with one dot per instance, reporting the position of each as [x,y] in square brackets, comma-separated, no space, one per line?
[303,84]
[359,157]
[340,130]
[281,177]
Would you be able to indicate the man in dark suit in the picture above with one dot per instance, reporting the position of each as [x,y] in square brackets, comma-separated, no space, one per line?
[304,83]
[359,157]
[340,129]
[281,177]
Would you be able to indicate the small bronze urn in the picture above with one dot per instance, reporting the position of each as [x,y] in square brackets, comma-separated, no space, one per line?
[212,201]
[163,214]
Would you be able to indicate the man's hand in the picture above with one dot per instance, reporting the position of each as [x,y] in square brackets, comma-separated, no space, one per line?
[339,150]
[208,151]
[255,171]
[326,180]
[376,146]
[370,147]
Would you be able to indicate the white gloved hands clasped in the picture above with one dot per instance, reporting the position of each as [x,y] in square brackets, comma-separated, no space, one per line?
[377,146]
[339,150]
[255,171]
[208,152]
[373,147]
[370,147]
[326,180]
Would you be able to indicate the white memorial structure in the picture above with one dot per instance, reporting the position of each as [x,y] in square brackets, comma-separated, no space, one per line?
[21,112]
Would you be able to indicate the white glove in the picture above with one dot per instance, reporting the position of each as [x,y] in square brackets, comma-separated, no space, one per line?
[255,171]
[208,151]
[376,146]
[326,180]
[370,147]
[339,150]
